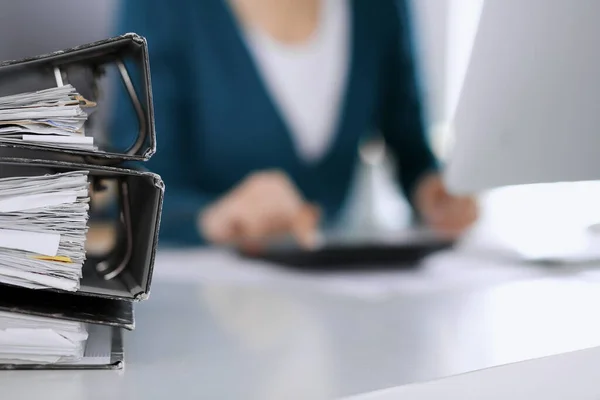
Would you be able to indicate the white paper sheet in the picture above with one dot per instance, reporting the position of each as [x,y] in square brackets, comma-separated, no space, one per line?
[98,348]
[19,203]
[59,139]
[52,117]
[33,339]
[43,227]
[35,242]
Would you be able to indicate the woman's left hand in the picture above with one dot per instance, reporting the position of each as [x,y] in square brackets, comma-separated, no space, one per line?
[444,212]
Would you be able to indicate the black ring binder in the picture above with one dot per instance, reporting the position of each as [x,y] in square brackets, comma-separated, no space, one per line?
[96,57]
[112,282]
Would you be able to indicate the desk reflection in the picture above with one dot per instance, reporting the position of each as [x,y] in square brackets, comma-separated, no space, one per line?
[195,340]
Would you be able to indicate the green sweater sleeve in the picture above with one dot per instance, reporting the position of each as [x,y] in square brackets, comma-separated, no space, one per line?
[401,111]
[156,20]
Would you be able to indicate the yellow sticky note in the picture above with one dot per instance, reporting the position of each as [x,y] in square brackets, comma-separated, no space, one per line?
[55,258]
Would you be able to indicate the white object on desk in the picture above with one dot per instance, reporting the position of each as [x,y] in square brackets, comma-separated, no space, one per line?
[529,107]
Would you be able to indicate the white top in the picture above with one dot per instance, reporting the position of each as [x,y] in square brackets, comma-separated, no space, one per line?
[307,81]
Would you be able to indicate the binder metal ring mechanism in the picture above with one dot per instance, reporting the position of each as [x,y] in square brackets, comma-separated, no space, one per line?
[110,283]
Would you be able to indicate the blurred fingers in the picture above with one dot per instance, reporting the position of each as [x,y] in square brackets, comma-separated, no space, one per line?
[305,225]
[454,217]
[219,224]
[265,206]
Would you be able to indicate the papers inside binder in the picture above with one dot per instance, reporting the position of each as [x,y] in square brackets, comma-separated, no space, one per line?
[28,339]
[43,226]
[53,117]
[32,340]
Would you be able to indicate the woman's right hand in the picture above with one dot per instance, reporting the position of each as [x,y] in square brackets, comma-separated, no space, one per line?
[266,205]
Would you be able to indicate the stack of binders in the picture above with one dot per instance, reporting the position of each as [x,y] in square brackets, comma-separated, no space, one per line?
[62,307]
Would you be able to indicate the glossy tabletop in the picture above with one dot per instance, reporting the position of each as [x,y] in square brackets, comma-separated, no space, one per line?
[212,331]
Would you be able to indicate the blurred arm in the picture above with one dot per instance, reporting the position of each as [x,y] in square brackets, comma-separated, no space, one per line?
[401,114]
[157,21]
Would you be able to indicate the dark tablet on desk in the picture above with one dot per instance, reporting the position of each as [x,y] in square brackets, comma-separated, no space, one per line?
[400,251]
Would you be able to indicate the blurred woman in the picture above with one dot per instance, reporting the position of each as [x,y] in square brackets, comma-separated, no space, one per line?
[261,106]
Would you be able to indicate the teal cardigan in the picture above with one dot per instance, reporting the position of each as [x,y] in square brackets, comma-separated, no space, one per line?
[216,123]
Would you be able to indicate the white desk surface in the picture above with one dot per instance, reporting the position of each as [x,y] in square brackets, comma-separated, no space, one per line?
[211,331]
